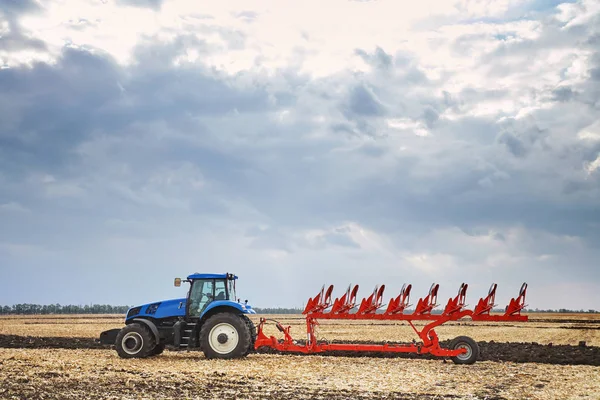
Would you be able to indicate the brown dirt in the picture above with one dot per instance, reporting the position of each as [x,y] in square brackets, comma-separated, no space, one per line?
[101,374]
[489,351]
[57,357]
[219,387]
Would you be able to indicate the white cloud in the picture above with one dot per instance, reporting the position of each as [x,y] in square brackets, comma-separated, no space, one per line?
[578,13]
[594,165]
[591,132]
[485,8]
[14,207]
[4,28]
[405,124]
[315,33]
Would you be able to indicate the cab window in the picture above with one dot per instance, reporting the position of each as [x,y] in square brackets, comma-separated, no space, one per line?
[220,291]
[231,289]
[201,293]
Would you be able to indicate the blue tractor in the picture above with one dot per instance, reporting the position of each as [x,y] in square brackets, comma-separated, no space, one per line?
[209,319]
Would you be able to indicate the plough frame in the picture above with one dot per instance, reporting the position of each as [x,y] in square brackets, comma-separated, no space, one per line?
[368,310]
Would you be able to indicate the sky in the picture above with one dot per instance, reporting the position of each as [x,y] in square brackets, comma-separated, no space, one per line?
[299,144]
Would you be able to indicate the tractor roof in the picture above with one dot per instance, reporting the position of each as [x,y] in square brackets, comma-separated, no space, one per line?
[212,276]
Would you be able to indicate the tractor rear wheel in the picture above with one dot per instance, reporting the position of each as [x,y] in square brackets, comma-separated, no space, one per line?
[225,335]
[253,334]
[135,341]
[465,342]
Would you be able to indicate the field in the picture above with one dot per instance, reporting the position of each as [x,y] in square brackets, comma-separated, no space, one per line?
[57,357]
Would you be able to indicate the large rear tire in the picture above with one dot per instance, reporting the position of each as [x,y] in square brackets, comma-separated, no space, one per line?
[135,341]
[253,334]
[225,335]
[465,342]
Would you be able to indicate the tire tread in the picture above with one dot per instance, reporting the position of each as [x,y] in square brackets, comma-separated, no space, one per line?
[253,334]
[149,342]
[474,349]
[244,333]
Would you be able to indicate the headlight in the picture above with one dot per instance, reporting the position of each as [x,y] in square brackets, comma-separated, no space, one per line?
[151,309]
[133,311]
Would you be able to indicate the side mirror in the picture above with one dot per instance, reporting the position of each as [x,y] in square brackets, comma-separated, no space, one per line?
[177,282]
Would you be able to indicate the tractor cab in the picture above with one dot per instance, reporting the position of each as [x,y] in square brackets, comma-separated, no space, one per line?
[206,289]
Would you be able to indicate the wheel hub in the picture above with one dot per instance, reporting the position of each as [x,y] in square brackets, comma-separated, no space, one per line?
[132,343]
[222,338]
[467,354]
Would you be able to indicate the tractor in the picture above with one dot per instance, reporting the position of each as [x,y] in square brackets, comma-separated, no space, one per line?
[209,319]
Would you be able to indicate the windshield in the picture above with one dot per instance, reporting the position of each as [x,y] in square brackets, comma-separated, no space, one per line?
[201,294]
[231,289]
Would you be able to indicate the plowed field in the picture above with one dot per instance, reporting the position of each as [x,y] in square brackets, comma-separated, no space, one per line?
[58,357]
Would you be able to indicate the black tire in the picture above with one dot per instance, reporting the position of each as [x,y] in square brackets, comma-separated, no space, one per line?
[472,350]
[158,349]
[253,334]
[135,341]
[225,335]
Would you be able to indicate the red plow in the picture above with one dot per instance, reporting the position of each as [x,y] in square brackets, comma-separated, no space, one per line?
[462,350]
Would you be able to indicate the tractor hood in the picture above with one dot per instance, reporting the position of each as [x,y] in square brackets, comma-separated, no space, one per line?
[176,308]
[159,309]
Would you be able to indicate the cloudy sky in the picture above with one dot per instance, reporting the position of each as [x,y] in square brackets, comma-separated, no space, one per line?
[298,144]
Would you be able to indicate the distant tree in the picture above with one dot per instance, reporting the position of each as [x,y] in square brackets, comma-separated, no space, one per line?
[278,310]
[29,309]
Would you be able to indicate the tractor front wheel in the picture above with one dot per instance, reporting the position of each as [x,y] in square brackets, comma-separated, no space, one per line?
[472,350]
[225,335]
[158,349]
[135,341]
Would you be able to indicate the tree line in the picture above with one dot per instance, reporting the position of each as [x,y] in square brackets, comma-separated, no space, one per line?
[562,311]
[278,310]
[60,309]
[32,309]
[109,309]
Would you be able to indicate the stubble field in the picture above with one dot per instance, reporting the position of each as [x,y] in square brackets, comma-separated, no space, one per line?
[57,357]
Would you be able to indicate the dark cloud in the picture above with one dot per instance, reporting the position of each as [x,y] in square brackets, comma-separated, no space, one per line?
[16,39]
[362,102]
[379,59]
[153,4]
[246,16]
[70,100]
[563,94]
[85,93]
[430,116]
[16,7]
[513,144]
[339,237]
